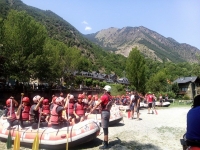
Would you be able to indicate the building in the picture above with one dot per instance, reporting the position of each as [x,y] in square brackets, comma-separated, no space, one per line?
[189,86]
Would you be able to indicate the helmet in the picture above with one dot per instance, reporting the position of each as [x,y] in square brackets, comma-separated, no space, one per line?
[36,98]
[89,96]
[8,101]
[80,96]
[107,88]
[45,101]
[59,99]
[71,96]
[26,99]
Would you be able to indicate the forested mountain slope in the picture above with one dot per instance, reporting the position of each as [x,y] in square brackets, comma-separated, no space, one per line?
[59,29]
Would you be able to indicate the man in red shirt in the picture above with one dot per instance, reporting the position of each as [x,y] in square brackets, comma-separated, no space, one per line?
[106,104]
[150,101]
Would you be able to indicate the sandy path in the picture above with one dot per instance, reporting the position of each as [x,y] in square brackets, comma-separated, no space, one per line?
[153,132]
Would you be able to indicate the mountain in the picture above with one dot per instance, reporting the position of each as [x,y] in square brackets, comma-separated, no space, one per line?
[61,30]
[150,43]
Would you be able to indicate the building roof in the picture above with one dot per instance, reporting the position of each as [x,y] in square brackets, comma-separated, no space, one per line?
[185,80]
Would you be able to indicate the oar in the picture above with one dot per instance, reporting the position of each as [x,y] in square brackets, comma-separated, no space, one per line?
[9,139]
[68,125]
[36,141]
[17,138]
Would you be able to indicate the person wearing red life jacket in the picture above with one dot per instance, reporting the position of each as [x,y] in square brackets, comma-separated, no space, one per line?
[34,113]
[53,101]
[79,109]
[9,112]
[69,105]
[23,112]
[106,103]
[45,110]
[57,121]
[150,101]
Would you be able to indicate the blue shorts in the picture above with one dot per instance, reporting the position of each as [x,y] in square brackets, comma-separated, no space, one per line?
[132,106]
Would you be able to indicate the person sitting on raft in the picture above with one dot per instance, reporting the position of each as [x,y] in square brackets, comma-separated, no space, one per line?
[69,105]
[34,113]
[23,112]
[79,109]
[57,121]
[9,112]
[45,111]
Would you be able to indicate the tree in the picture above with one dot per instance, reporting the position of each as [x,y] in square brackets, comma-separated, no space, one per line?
[135,70]
[23,40]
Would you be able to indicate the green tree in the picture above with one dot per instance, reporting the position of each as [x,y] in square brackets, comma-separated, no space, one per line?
[23,40]
[135,70]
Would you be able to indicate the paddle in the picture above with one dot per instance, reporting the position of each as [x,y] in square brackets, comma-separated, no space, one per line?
[68,125]
[17,138]
[9,139]
[36,141]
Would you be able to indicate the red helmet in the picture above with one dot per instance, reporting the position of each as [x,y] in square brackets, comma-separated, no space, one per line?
[89,96]
[45,102]
[8,101]
[80,96]
[26,99]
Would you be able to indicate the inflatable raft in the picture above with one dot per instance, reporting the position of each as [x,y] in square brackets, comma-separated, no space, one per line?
[53,138]
[164,104]
[115,116]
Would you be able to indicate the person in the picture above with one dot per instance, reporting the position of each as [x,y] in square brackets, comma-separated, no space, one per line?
[9,112]
[137,105]
[70,108]
[166,98]
[57,121]
[106,104]
[161,100]
[132,102]
[149,101]
[80,109]
[154,103]
[23,112]
[192,136]
[45,111]
[34,113]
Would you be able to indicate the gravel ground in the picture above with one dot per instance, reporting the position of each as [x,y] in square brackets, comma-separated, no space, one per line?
[151,132]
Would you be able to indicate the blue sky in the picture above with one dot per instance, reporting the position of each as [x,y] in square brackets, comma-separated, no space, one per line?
[178,19]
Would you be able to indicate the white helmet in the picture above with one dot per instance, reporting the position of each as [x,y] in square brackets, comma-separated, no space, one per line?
[71,96]
[59,99]
[107,88]
[36,98]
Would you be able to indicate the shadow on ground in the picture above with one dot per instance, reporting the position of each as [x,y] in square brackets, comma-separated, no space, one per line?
[117,144]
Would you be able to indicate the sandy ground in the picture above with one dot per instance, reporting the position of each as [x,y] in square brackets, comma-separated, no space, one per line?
[151,132]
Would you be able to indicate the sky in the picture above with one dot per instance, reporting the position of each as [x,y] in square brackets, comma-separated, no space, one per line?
[178,19]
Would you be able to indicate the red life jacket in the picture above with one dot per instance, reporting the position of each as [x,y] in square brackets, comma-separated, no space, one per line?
[46,109]
[71,108]
[80,109]
[25,113]
[55,117]
[108,104]
[150,98]
[13,115]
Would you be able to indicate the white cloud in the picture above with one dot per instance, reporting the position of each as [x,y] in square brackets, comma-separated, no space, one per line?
[87,28]
[84,22]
